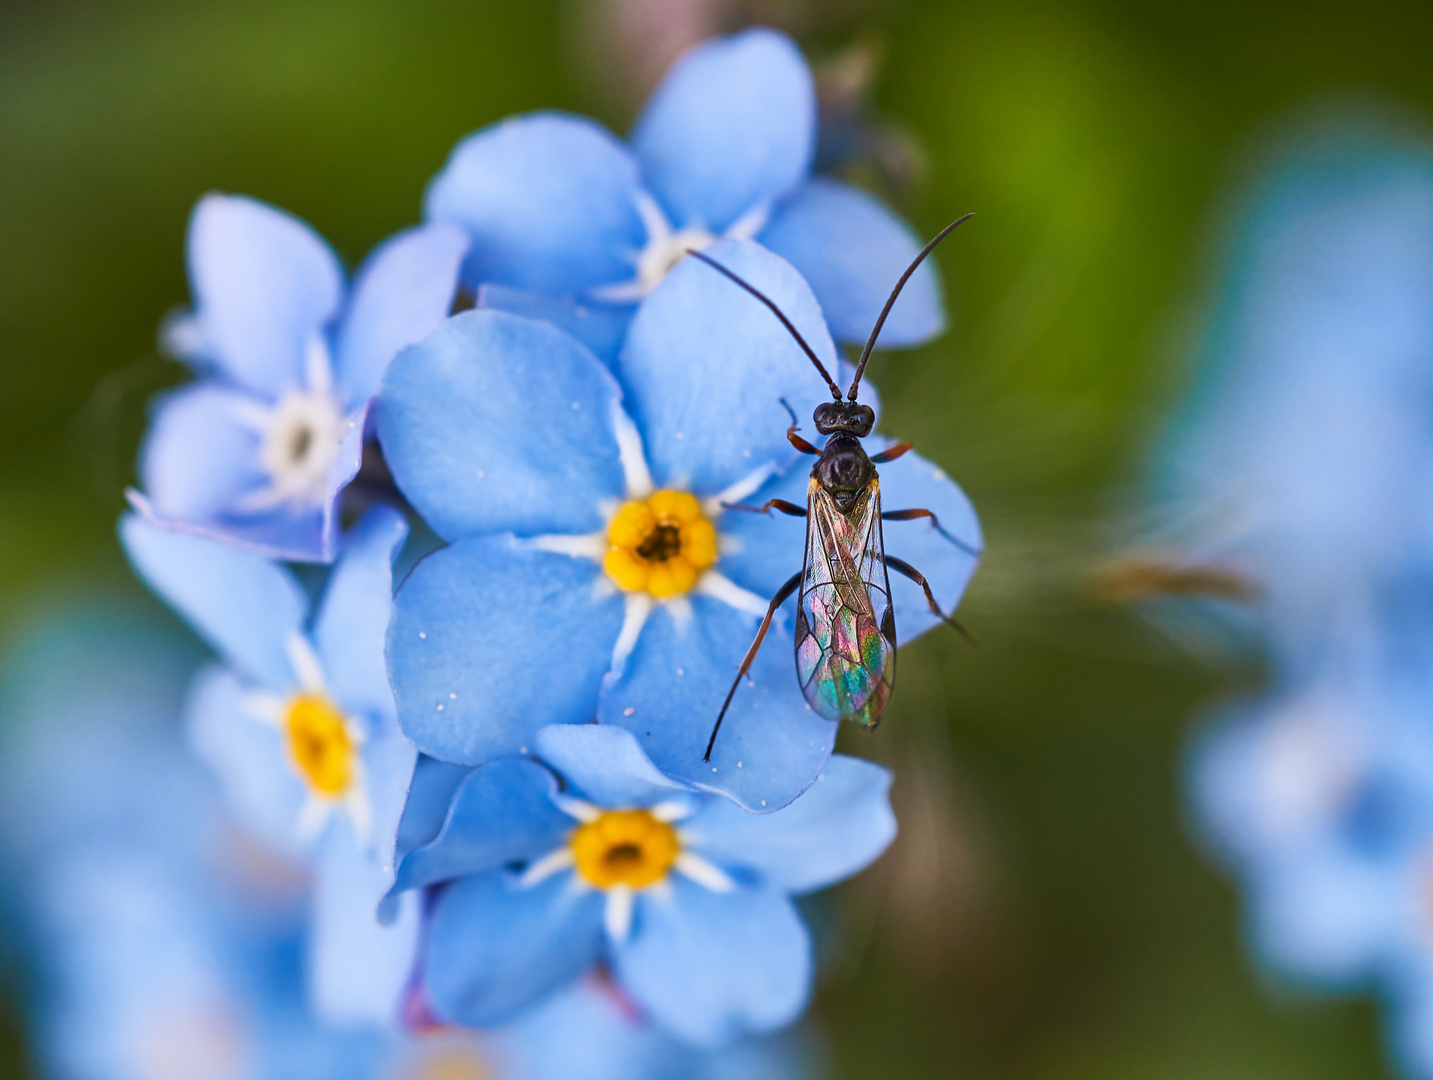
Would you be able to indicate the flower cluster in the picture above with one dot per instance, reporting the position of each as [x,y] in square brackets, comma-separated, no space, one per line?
[1308,459]
[552,424]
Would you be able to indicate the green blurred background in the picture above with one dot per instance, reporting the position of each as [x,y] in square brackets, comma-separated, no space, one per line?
[1044,914]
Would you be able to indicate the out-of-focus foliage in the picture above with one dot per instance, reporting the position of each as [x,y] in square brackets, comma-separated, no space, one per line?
[1042,914]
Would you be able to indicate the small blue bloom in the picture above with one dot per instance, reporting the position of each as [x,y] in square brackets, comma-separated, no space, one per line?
[685,896]
[556,205]
[1301,461]
[551,476]
[1304,464]
[591,1032]
[257,450]
[298,723]
[159,944]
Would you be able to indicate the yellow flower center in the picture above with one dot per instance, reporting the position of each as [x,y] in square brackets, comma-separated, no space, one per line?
[624,847]
[320,744]
[660,545]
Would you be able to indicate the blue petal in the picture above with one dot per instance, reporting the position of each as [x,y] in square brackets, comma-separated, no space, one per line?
[851,250]
[761,551]
[430,796]
[706,365]
[912,482]
[358,968]
[498,423]
[590,1032]
[197,458]
[352,623]
[503,813]
[605,764]
[388,762]
[264,284]
[711,967]
[732,128]
[402,293]
[1410,1021]
[495,949]
[601,327]
[491,641]
[1319,916]
[771,747]
[836,829]
[249,758]
[550,202]
[243,606]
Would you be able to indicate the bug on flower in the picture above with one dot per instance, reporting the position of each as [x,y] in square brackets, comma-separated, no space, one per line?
[845,624]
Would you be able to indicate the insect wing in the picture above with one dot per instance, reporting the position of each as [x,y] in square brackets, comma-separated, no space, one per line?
[845,628]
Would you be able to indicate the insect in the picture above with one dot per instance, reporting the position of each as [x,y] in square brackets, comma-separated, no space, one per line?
[845,624]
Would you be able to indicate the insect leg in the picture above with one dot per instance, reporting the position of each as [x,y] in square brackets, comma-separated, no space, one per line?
[790,509]
[795,439]
[903,567]
[891,453]
[911,515]
[776,601]
[800,443]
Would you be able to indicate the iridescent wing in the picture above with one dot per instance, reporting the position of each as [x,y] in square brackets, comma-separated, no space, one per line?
[845,628]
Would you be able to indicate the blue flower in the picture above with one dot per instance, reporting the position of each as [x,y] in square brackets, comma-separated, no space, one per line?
[298,724]
[257,450]
[551,475]
[684,895]
[1304,464]
[160,945]
[1321,802]
[570,225]
[1301,461]
[591,1032]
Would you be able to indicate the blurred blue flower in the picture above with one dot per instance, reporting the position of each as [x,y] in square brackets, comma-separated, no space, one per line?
[1303,460]
[298,723]
[593,570]
[570,225]
[684,895]
[1320,799]
[257,450]
[590,1031]
[163,947]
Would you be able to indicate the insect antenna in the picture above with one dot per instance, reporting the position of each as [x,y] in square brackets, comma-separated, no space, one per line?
[835,390]
[901,284]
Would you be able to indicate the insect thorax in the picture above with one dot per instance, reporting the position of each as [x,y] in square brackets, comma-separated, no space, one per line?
[843,469]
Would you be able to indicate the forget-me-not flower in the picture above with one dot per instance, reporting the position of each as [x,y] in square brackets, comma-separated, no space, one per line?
[298,723]
[162,946]
[258,449]
[684,895]
[1301,462]
[1306,462]
[570,224]
[593,568]
[1321,801]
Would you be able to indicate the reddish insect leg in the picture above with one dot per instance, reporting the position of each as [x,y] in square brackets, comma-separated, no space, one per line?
[776,601]
[788,508]
[890,453]
[905,568]
[798,442]
[911,515]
